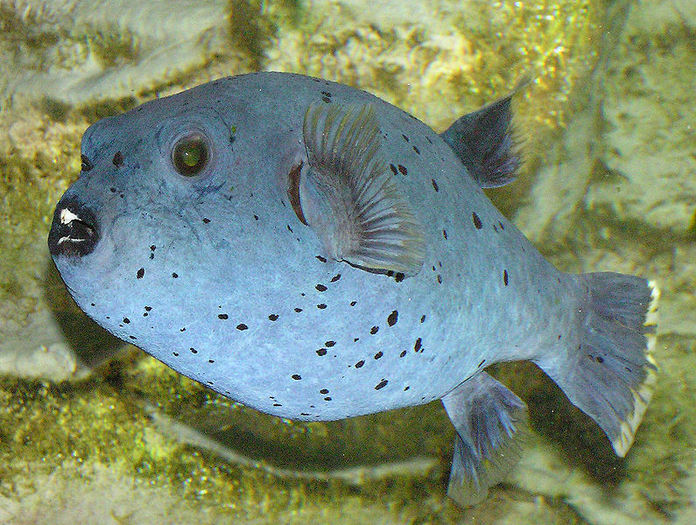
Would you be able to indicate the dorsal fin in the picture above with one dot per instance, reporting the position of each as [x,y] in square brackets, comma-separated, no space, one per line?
[348,197]
[483,142]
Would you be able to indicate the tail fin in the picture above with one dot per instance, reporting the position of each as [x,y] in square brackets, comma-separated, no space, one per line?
[610,373]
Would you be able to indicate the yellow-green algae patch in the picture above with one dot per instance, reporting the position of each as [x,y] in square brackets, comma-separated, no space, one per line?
[52,430]
[437,74]
[48,428]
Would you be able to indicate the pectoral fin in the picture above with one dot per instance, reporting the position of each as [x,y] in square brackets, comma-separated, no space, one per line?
[346,194]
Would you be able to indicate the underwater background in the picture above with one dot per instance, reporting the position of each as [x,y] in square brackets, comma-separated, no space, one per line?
[94,431]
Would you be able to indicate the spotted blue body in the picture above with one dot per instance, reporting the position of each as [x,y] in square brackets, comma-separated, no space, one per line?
[316,253]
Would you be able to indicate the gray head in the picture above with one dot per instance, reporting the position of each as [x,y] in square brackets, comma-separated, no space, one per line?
[171,202]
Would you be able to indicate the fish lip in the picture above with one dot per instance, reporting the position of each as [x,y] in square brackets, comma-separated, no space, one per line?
[74,230]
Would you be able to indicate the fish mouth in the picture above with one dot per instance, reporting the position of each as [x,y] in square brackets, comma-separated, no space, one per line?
[74,231]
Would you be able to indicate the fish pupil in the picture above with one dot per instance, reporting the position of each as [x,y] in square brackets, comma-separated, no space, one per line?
[190,155]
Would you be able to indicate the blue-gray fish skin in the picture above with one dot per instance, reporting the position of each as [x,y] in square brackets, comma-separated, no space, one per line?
[316,253]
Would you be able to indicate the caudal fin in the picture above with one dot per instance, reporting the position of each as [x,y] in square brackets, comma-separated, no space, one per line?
[609,373]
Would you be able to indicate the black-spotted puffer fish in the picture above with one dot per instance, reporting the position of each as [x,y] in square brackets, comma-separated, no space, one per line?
[316,253]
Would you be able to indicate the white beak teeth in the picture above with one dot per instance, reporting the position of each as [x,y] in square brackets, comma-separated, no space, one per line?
[66,216]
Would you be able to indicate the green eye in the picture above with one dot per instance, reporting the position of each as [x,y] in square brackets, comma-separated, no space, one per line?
[190,155]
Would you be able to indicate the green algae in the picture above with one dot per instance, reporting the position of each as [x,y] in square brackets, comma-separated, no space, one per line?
[102,421]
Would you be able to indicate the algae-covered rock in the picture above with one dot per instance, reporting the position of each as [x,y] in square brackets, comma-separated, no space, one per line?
[113,436]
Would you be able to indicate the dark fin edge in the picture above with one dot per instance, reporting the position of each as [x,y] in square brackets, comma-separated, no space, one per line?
[611,373]
[490,421]
[484,143]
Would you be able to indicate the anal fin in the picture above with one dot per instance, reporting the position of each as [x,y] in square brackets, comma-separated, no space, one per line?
[488,419]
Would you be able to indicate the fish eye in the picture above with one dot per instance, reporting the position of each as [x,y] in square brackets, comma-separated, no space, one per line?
[190,155]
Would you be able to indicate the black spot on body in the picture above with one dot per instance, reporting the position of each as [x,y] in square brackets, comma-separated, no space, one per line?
[422,319]
[321,351]
[481,363]
[326,99]
[296,377]
[439,278]
[403,353]
[324,391]
[335,277]
[193,350]
[242,326]
[600,359]
[320,287]
[273,317]
[393,168]
[175,354]
[206,220]
[501,225]
[140,273]
[381,384]
[416,150]
[320,258]
[505,277]
[405,137]
[398,277]
[417,346]
[175,275]
[86,164]
[444,234]
[118,159]
[327,398]
[353,303]
[298,310]
[330,343]
[223,316]
[435,186]
[126,320]
[359,364]
[403,170]
[393,318]
[321,306]
[378,355]
[477,221]
[374,330]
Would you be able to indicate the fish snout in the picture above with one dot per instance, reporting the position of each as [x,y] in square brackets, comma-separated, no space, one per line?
[74,231]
